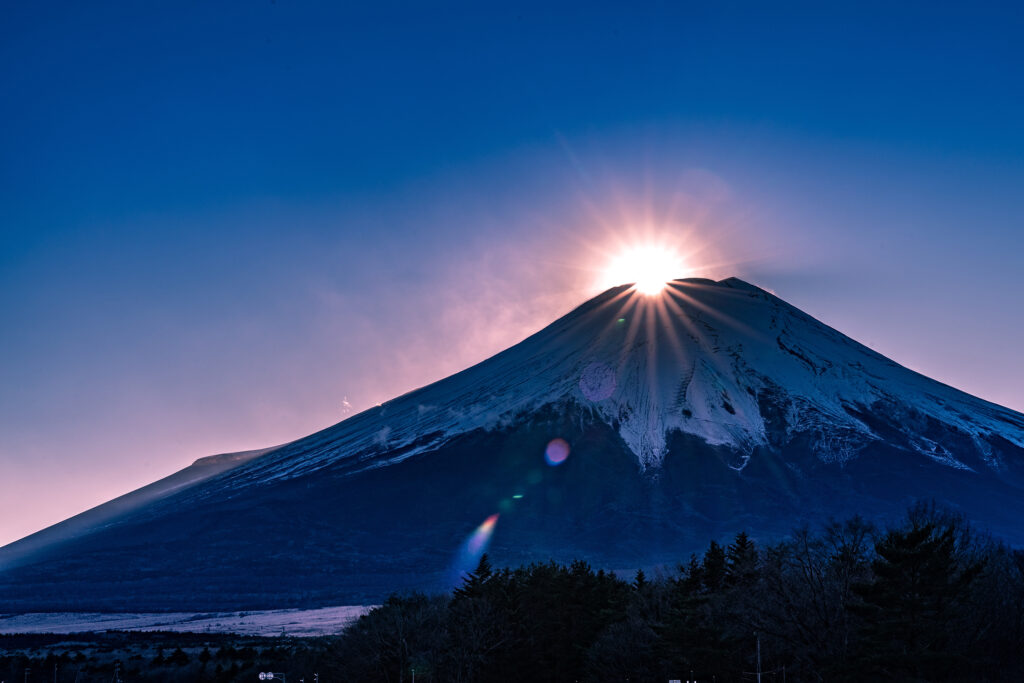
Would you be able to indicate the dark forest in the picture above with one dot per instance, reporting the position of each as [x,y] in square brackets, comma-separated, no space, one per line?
[925,599]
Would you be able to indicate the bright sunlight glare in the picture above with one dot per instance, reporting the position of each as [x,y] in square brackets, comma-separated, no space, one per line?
[650,267]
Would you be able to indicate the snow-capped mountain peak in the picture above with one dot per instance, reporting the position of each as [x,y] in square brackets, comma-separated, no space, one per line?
[710,408]
[716,360]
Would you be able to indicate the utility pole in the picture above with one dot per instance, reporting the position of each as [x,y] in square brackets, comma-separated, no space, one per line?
[758,657]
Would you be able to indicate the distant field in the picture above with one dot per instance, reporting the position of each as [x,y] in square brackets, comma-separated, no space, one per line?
[290,622]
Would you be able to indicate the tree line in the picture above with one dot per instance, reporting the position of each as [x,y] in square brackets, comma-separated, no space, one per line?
[926,599]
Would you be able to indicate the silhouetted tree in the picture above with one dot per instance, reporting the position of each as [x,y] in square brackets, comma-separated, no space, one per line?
[714,567]
[741,561]
[907,607]
[178,657]
[918,602]
[474,583]
[386,643]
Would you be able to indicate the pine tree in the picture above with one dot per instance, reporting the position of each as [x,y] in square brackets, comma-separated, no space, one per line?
[741,561]
[178,657]
[917,584]
[475,582]
[714,567]
[640,580]
[691,575]
[687,640]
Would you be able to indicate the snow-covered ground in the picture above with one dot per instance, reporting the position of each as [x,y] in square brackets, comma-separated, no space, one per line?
[291,622]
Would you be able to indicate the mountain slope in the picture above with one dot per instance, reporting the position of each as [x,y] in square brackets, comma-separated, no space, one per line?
[713,407]
[693,363]
[95,518]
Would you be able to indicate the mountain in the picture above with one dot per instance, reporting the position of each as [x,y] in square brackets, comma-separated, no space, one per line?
[627,433]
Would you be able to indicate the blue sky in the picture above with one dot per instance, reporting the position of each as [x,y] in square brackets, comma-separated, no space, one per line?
[226,225]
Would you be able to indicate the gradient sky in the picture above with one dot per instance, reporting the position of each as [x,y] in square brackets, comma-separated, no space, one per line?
[224,226]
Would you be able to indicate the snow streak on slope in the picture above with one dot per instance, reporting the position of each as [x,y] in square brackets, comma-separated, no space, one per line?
[704,358]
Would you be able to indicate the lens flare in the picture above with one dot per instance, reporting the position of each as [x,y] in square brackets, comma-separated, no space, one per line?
[477,543]
[471,550]
[556,452]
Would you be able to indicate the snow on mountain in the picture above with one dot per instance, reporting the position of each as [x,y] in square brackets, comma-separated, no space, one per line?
[691,415]
[698,359]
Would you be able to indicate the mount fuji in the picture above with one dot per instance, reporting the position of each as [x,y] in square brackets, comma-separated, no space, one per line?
[627,433]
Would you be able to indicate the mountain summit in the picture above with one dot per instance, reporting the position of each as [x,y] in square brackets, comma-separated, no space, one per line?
[626,433]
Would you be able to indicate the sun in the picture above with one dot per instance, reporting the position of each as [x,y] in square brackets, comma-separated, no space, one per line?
[648,267]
